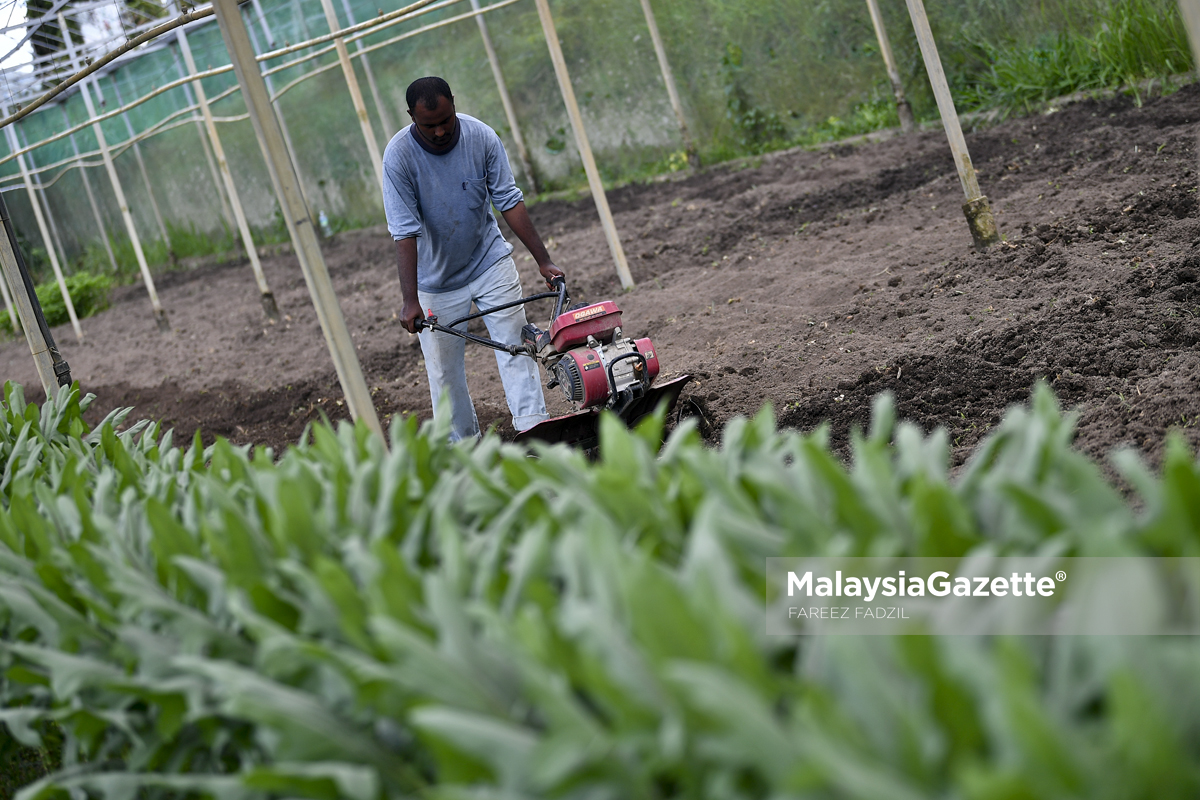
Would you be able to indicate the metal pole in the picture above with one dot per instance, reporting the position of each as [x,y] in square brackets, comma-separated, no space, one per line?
[268,299]
[296,215]
[51,368]
[976,208]
[41,222]
[137,152]
[360,108]
[208,156]
[160,316]
[585,148]
[45,199]
[903,109]
[509,112]
[385,117]
[91,196]
[669,79]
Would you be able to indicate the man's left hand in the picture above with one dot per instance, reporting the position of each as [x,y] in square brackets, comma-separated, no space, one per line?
[549,273]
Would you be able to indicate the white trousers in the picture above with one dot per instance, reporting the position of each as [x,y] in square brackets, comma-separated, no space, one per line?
[445,354]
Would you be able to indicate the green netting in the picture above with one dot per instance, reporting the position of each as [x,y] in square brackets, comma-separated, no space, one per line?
[752,74]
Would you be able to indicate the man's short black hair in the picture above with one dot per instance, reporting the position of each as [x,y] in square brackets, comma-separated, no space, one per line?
[427,91]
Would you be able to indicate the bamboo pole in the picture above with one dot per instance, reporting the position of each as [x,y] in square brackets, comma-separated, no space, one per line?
[903,109]
[296,215]
[91,195]
[356,98]
[190,97]
[262,20]
[377,46]
[137,152]
[585,148]
[976,208]
[505,100]
[160,316]
[267,298]
[44,231]
[276,109]
[302,22]
[104,60]
[45,198]
[50,366]
[689,146]
[352,34]
[385,116]
[1189,10]
[8,305]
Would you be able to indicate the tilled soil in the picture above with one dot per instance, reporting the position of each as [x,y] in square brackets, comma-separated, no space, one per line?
[809,279]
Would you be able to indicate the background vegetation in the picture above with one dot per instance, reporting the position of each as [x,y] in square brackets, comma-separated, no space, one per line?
[89,294]
[754,75]
[469,622]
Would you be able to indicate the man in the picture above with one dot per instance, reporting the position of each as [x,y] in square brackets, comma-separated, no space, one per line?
[441,175]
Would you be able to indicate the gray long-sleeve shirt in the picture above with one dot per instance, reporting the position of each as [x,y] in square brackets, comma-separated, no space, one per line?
[443,200]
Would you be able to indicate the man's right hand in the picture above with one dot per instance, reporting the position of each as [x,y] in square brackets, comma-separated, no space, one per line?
[411,316]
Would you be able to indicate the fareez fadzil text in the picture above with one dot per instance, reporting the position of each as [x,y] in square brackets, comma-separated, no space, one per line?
[938,584]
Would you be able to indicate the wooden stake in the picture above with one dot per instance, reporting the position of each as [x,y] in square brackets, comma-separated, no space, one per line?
[585,148]
[160,316]
[137,152]
[190,97]
[903,109]
[268,299]
[91,196]
[976,208]
[8,304]
[275,106]
[506,101]
[296,215]
[262,20]
[356,98]
[381,108]
[669,79]
[44,195]
[41,222]
[39,348]
[1189,10]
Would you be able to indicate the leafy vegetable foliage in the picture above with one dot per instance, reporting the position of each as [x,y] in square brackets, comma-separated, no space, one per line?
[89,295]
[471,622]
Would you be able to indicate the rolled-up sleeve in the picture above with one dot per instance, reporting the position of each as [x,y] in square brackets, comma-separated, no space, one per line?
[399,200]
[501,184]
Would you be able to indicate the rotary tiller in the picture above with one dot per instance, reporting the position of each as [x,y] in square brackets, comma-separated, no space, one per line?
[589,358]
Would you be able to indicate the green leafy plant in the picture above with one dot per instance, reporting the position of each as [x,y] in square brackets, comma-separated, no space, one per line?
[757,129]
[89,294]
[873,115]
[467,621]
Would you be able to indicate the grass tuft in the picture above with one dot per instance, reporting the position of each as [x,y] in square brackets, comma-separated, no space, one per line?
[1121,44]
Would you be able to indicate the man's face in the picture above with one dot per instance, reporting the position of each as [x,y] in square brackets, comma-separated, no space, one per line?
[435,125]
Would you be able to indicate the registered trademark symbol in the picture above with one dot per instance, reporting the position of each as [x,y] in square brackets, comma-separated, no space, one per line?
[1060,575]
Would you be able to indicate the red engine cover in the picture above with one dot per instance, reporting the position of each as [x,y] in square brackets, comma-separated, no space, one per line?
[646,348]
[595,380]
[572,328]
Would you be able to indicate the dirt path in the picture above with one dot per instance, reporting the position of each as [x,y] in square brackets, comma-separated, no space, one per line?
[812,280]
